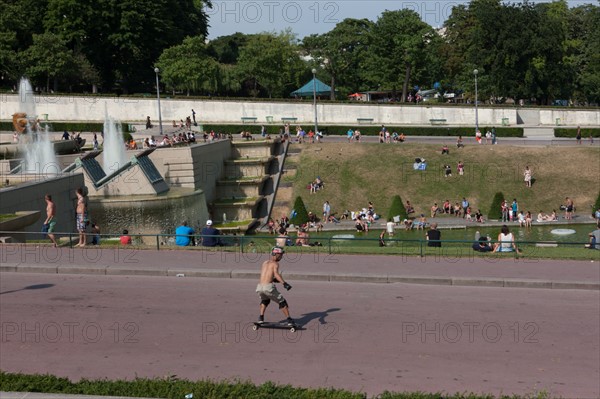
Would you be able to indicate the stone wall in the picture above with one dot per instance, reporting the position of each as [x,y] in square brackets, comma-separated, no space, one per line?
[73,108]
[198,166]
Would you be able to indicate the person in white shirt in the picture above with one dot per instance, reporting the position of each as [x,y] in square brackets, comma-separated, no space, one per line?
[506,241]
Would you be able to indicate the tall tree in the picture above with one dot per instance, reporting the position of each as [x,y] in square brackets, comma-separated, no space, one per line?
[124,38]
[271,62]
[584,38]
[48,58]
[188,66]
[400,42]
[341,51]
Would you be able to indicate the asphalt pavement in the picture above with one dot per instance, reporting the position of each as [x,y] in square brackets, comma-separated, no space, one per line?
[357,336]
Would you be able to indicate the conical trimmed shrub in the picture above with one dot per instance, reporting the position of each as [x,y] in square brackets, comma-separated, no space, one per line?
[299,213]
[495,212]
[397,209]
[597,204]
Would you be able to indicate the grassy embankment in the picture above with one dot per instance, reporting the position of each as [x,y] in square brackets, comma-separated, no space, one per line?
[177,389]
[357,173]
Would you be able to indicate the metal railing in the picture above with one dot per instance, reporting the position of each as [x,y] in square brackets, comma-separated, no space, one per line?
[263,243]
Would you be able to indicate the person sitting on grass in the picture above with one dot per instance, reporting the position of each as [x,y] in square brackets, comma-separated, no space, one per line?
[435,209]
[506,241]
[361,225]
[482,245]
[409,208]
[271,226]
[302,239]
[433,236]
[445,150]
[184,235]
[408,224]
[125,238]
[313,222]
[478,216]
[594,238]
[447,207]
[422,222]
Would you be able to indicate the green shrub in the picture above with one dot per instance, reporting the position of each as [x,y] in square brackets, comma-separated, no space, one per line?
[496,208]
[397,209]
[367,130]
[572,132]
[95,127]
[597,204]
[300,215]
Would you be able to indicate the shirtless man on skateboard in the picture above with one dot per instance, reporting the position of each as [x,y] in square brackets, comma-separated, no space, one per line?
[266,289]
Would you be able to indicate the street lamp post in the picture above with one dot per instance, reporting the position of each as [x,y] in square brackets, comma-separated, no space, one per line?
[156,71]
[475,72]
[314,72]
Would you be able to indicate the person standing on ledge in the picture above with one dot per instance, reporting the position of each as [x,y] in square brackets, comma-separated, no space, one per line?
[81,221]
[50,222]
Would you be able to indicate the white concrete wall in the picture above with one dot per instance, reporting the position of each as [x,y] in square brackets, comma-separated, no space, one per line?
[72,108]
[568,118]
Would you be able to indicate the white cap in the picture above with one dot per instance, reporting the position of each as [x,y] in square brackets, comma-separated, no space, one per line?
[209,222]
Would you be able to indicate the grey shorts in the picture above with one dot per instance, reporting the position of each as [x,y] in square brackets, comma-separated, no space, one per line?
[269,291]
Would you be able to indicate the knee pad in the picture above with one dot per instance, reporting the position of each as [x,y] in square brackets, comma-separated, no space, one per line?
[283,304]
[265,302]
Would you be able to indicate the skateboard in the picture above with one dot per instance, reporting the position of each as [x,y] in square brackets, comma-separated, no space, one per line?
[268,324]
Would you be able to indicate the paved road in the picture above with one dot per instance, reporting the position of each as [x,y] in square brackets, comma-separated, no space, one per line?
[367,337]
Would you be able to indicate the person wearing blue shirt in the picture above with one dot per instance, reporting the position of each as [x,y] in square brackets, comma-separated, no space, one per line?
[184,235]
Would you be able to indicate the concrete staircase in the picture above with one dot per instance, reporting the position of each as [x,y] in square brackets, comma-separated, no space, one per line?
[538,132]
[246,191]
[284,196]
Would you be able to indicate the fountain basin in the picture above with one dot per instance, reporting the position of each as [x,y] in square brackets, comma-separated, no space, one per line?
[149,214]
[61,147]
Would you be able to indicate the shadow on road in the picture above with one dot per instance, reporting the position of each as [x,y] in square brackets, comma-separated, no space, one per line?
[29,287]
[308,317]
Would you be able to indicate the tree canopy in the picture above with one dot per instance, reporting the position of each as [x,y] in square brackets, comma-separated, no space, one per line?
[535,51]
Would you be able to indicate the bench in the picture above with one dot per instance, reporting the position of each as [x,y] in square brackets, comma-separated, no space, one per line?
[249,119]
[437,121]
[364,120]
[289,119]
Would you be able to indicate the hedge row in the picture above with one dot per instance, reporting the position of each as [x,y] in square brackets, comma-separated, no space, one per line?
[585,132]
[68,126]
[177,388]
[370,130]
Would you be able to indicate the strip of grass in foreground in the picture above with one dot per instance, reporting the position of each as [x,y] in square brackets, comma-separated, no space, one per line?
[177,389]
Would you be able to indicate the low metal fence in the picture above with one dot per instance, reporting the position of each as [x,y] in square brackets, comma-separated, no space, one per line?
[263,243]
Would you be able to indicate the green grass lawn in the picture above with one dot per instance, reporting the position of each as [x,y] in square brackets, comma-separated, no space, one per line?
[357,173]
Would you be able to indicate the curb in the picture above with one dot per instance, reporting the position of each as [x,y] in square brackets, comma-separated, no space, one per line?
[31,395]
[306,276]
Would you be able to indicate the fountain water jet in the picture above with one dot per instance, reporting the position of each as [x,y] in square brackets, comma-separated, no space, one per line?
[113,152]
[35,141]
